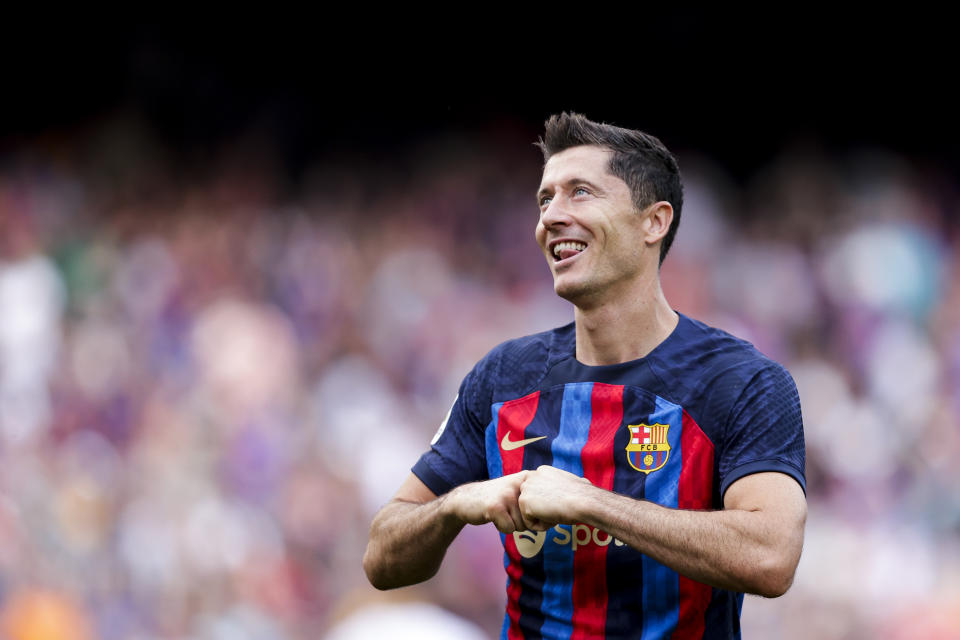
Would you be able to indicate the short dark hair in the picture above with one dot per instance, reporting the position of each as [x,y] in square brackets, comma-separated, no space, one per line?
[639,159]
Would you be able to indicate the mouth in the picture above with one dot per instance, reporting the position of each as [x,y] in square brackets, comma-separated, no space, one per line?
[566,249]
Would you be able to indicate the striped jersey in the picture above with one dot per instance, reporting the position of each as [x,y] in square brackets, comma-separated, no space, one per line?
[676,427]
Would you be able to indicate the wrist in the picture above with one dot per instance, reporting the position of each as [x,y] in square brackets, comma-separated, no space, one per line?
[448,507]
[583,504]
[595,507]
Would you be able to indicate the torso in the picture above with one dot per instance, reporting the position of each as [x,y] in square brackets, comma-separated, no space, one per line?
[654,429]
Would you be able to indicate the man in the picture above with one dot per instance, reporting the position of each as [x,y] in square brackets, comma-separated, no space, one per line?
[645,470]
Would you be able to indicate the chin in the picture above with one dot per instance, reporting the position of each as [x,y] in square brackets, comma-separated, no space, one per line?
[570,291]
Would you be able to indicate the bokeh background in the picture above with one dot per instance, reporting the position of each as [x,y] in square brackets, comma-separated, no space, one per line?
[243,272]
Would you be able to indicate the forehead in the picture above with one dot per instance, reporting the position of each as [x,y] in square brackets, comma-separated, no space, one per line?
[588,162]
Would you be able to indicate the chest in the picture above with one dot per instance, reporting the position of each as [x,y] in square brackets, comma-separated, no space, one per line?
[621,438]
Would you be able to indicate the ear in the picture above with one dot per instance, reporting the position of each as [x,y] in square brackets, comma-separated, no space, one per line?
[658,217]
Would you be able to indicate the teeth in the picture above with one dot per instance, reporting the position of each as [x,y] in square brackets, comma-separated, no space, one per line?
[560,246]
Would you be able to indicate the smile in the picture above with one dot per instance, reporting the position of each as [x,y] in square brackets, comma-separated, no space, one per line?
[567,249]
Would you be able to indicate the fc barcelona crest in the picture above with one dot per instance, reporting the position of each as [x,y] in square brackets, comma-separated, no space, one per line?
[648,449]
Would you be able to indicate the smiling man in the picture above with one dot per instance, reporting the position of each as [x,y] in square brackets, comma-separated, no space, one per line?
[644,469]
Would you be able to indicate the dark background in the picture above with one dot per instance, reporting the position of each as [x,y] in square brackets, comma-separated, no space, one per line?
[737,87]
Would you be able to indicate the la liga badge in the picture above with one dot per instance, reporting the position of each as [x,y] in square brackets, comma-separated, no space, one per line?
[648,449]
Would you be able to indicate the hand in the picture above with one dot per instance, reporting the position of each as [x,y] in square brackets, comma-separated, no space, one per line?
[493,501]
[551,496]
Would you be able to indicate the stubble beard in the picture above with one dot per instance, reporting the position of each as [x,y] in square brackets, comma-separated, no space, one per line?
[591,289]
[578,292]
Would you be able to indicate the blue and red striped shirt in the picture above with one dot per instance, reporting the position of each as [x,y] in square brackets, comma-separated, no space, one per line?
[676,427]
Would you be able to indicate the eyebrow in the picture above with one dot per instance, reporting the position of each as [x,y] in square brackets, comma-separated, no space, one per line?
[544,191]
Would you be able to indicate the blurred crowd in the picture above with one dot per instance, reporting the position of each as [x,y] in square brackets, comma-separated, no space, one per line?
[211,379]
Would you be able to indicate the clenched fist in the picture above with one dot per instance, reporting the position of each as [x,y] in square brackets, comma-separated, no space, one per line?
[551,496]
[493,501]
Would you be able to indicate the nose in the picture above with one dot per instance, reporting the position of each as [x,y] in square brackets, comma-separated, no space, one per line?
[556,214]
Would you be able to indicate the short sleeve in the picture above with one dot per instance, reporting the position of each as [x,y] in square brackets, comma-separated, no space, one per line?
[764,431]
[457,453]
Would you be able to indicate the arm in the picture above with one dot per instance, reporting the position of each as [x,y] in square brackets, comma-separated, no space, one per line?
[752,545]
[410,535]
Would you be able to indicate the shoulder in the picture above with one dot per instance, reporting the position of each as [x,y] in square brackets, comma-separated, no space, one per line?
[535,346]
[714,352]
[712,370]
[520,363]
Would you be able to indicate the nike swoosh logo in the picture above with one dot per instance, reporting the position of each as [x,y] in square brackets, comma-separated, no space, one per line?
[509,445]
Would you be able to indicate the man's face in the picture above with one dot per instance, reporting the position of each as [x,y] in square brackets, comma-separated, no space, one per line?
[589,230]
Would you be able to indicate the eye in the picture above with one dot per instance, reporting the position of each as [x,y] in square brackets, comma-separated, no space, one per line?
[580,191]
[545,200]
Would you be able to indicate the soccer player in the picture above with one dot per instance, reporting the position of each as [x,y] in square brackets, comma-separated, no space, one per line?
[644,469]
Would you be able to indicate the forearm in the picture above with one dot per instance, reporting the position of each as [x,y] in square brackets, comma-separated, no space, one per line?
[410,536]
[729,549]
[408,541]
[752,545]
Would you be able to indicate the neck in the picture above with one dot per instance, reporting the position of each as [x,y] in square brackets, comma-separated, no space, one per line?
[624,327]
